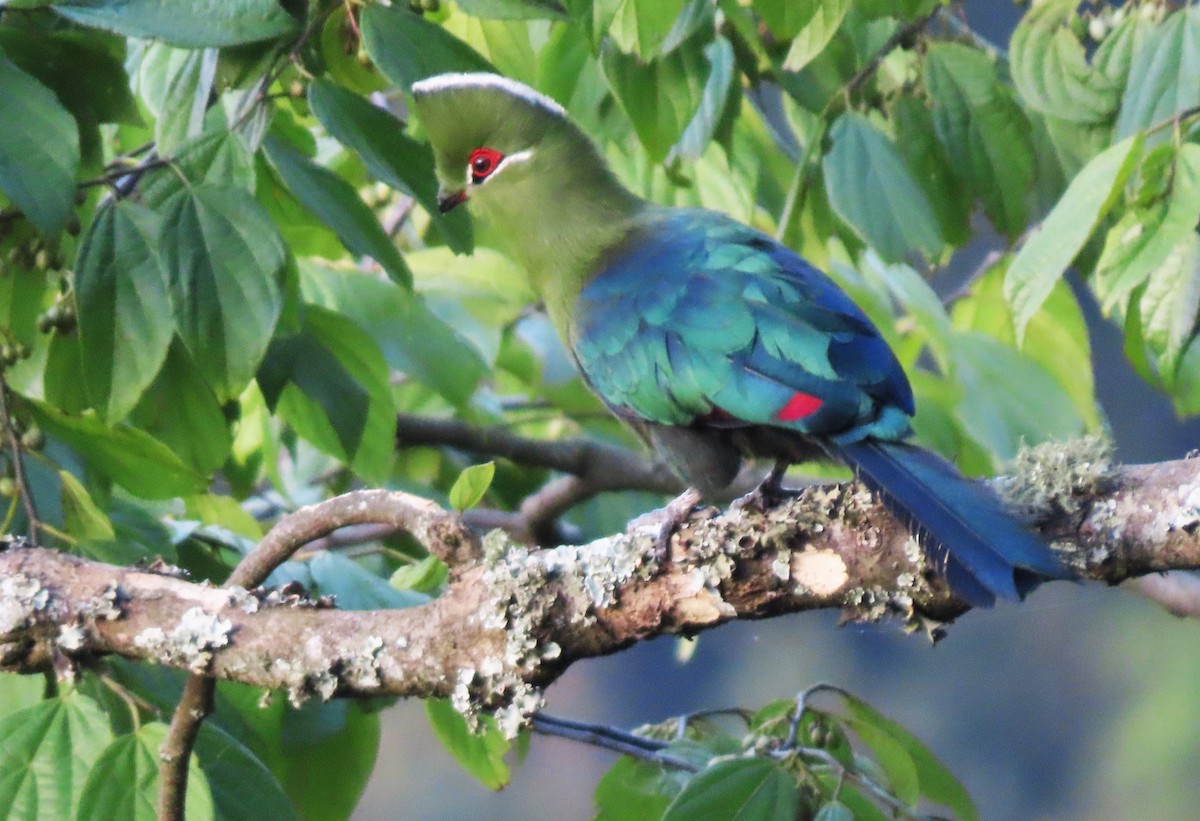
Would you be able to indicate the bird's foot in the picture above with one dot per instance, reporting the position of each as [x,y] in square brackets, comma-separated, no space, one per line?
[770,492]
[668,519]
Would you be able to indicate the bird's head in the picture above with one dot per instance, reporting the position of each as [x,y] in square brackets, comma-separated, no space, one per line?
[497,143]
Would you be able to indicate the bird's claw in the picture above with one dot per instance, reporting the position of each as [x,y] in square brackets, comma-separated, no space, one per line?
[668,519]
[770,492]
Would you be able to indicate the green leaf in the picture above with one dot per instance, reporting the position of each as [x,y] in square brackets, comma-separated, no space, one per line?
[18,691]
[930,164]
[175,84]
[660,97]
[635,790]
[834,811]
[331,384]
[321,732]
[83,519]
[1185,390]
[243,789]
[63,381]
[139,536]
[1162,77]
[1144,237]
[39,149]
[719,94]
[823,20]
[407,47]
[424,576]
[124,783]
[1053,245]
[219,157]
[1051,71]
[478,295]
[871,188]
[338,205]
[355,588]
[784,18]
[1056,337]
[482,753]
[88,78]
[304,234]
[181,410]
[743,789]
[413,340]
[892,758]
[390,155]
[938,784]
[130,457]
[193,24]
[471,485]
[1008,399]
[46,752]
[125,320]
[223,256]
[1170,303]
[637,27]
[984,131]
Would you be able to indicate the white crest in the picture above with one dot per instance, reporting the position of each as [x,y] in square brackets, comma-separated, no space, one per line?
[443,82]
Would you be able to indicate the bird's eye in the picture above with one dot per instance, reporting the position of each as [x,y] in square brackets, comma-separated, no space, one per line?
[483,162]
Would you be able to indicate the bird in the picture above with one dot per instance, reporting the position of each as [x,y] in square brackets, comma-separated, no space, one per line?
[711,339]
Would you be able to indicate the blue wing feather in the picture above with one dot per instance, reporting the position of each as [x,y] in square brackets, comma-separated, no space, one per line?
[695,311]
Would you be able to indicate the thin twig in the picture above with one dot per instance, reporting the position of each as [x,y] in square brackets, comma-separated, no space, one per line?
[899,36]
[610,738]
[1173,121]
[112,177]
[14,445]
[609,467]
[848,773]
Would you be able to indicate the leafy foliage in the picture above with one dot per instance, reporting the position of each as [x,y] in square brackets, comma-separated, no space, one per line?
[223,272]
[793,761]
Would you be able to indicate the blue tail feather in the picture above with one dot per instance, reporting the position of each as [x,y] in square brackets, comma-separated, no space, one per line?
[985,552]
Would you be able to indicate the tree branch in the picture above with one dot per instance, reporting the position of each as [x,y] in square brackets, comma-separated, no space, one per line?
[511,623]
[601,465]
[441,532]
[592,467]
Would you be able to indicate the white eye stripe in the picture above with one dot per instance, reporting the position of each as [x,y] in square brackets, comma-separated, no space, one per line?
[511,159]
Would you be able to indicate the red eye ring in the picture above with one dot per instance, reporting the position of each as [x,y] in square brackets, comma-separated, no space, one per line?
[482,162]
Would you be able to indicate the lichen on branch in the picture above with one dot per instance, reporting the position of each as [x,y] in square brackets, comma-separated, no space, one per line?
[514,617]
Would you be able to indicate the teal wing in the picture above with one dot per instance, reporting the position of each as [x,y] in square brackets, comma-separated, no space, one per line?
[696,318]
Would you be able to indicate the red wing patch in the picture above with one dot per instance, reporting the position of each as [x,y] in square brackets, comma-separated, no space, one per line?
[798,407]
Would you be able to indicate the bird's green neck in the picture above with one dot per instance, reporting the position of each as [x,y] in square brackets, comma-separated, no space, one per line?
[558,229]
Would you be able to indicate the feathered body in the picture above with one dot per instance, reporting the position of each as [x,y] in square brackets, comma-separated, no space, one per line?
[710,338]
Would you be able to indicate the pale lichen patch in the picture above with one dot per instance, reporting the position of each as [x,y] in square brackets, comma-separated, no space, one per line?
[191,641]
[105,606]
[819,572]
[1187,517]
[71,637]
[21,599]
[360,668]
[781,565]
[1058,476]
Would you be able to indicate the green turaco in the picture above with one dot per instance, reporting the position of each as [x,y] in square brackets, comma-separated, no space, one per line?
[710,338]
